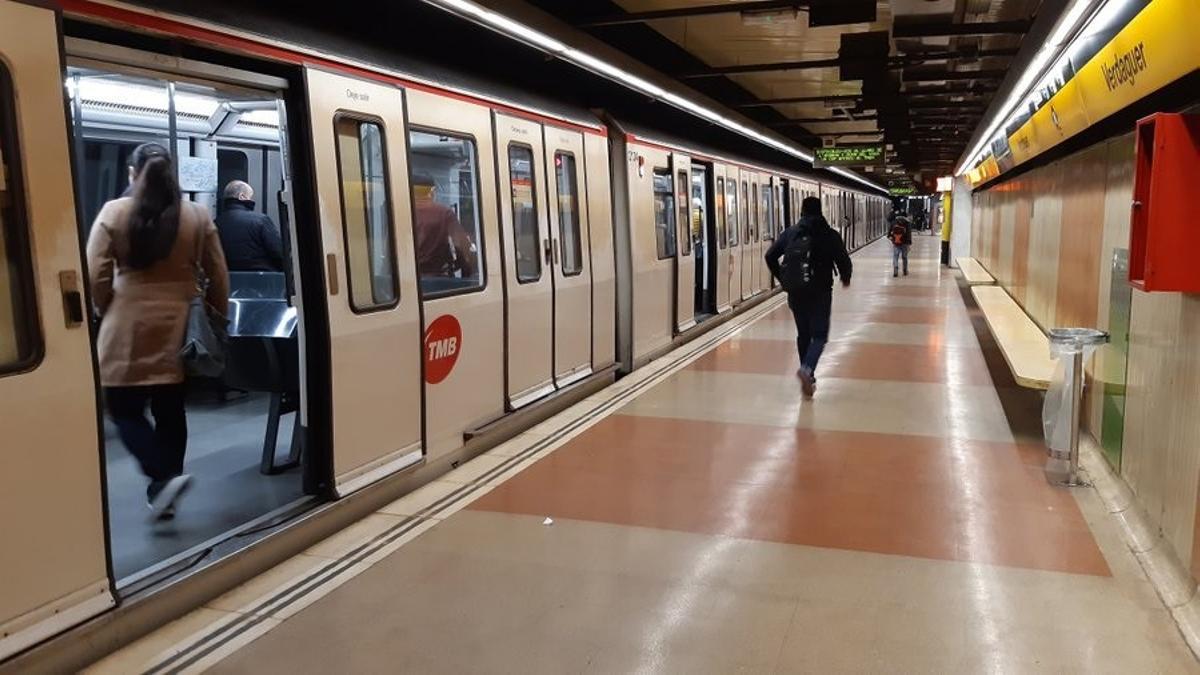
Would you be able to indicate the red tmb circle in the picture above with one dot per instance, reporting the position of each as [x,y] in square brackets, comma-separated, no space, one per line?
[443,343]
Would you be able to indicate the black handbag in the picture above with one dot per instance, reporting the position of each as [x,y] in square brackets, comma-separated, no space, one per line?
[204,336]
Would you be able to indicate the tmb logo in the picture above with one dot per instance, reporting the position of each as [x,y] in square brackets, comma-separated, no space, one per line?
[443,343]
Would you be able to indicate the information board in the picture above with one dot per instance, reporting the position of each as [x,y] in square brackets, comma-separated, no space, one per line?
[848,155]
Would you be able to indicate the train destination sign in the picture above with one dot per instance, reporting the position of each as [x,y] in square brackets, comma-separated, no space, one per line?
[848,155]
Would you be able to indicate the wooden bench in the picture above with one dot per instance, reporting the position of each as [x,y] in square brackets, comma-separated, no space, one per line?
[1025,347]
[974,273]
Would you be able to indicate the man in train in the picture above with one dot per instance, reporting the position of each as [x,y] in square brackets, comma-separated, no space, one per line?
[810,251]
[250,239]
[443,247]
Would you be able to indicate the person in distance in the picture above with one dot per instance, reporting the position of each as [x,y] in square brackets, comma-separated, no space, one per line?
[901,237]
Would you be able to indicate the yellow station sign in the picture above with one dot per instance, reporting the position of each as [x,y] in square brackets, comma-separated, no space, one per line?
[1155,48]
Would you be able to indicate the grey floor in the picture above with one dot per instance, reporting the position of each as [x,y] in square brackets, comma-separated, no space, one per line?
[224,448]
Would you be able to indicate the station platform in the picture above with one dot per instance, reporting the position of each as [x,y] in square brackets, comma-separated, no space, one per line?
[701,517]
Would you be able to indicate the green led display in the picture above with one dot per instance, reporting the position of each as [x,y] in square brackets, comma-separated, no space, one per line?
[848,155]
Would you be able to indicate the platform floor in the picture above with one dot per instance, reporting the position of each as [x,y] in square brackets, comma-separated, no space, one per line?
[717,523]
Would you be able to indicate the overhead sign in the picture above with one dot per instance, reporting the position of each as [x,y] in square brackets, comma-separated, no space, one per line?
[945,183]
[902,191]
[847,155]
[1153,50]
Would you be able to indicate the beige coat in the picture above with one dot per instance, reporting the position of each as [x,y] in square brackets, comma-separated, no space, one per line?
[144,312]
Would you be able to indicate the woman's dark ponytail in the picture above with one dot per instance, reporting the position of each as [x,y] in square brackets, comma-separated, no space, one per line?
[154,220]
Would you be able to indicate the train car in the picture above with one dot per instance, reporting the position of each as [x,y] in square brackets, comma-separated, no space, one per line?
[458,264]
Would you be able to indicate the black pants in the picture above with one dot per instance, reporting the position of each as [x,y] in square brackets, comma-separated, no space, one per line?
[811,313]
[159,449]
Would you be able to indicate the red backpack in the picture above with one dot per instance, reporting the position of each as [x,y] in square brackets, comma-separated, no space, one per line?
[897,234]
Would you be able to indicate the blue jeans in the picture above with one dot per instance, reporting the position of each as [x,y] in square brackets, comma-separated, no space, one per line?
[811,313]
[899,252]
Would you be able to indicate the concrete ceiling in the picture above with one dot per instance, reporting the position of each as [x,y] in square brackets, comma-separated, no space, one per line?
[916,75]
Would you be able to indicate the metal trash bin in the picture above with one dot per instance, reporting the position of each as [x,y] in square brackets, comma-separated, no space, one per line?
[1063,406]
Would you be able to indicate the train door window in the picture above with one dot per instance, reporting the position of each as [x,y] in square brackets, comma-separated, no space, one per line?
[722,228]
[745,212]
[18,324]
[755,214]
[526,236]
[366,214]
[681,183]
[446,216]
[232,165]
[568,214]
[664,214]
[731,211]
[768,212]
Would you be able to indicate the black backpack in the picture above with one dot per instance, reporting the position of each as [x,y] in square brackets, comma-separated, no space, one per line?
[796,273]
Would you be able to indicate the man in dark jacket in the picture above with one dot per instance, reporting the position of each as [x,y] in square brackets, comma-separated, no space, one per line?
[901,238]
[811,306]
[250,240]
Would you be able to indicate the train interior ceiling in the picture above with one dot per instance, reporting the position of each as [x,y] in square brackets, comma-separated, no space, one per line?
[246,446]
[240,448]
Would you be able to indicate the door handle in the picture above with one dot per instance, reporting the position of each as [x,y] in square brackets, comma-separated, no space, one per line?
[72,298]
[331,272]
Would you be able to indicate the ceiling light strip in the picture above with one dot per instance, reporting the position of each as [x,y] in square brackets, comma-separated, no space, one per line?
[1065,32]
[539,40]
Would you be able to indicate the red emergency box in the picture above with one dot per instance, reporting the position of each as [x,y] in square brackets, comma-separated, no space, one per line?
[1164,233]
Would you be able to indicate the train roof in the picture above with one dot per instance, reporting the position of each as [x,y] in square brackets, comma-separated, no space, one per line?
[293,33]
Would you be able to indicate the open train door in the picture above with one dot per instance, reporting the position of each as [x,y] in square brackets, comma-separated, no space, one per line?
[719,255]
[371,283]
[685,268]
[53,561]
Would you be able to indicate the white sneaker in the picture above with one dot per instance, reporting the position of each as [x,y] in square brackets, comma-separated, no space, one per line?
[166,498]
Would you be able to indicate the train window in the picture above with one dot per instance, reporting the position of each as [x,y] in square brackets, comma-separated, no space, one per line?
[19,343]
[731,211]
[527,238]
[446,214]
[768,206]
[664,214]
[568,214]
[682,182]
[366,214]
[755,213]
[719,200]
[745,212]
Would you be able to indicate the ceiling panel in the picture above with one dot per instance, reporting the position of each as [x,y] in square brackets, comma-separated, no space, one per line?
[733,39]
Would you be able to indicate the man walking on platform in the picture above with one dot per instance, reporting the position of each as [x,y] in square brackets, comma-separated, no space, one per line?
[803,259]
[901,238]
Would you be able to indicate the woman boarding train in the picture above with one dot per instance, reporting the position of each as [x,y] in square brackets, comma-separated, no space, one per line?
[144,254]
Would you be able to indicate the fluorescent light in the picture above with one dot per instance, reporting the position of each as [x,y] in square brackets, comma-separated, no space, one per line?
[599,66]
[1034,72]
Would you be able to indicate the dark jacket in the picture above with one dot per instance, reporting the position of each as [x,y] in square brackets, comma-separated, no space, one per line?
[907,231]
[828,252]
[250,240]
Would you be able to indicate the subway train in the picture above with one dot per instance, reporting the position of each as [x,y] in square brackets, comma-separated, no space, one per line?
[463,263]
